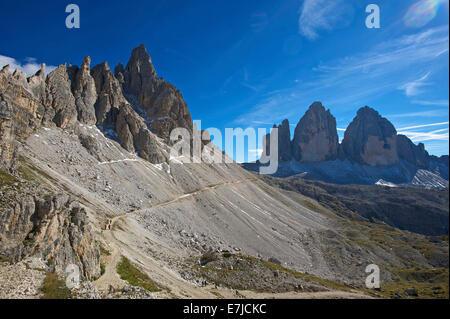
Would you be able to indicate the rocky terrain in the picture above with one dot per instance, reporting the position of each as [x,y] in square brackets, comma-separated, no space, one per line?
[87,179]
[371,152]
[417,210]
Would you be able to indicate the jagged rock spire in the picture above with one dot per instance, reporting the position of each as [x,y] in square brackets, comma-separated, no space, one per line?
[315,137]
[161,101]
[370,139]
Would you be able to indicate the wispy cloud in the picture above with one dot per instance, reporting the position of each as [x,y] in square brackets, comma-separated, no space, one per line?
[431,113]
[433,103]
[423,125]
[439,135]
[30,66]
[354,80]
[318,15]
[421,136]
[415,87]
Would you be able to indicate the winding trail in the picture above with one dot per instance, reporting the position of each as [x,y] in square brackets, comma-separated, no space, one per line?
[178,287]
[110,276]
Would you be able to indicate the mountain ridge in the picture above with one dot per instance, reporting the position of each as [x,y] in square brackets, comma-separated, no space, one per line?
[370,143]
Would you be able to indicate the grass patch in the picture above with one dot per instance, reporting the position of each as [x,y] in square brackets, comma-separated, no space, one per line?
[429,283]
[243,274]
[6,179]
[55,288]
[3,259]
[308,277]
[128,272]
[104,251]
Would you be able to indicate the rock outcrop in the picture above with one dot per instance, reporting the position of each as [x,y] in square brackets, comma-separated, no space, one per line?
[109,95]
[315,137]
[371,152]
[135,136]
[412,153]
[370,139]
[284,142]
[161,102]
[6,133]
[56,227]
[36,84]
[59,98]
[85,94]
[20,112]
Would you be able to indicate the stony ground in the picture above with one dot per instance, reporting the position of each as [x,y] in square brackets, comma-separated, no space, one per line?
[19,281]
[163,215]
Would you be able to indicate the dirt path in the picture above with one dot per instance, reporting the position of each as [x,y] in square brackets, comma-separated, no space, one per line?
[178,286]
[110,277]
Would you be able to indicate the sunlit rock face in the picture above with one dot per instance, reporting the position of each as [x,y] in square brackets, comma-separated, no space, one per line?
[315,137]
[162,102]
[370,139]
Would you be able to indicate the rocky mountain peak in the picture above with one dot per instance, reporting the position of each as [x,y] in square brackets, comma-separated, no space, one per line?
[370,139]
[162,103]
[84,91]
[284,142]
[139,74]
[109,95]
[315,137]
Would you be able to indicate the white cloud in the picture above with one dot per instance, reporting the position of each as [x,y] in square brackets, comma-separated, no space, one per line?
[423,125]
[439,135]
[431,113]
[30,66]
[415,87]
[421,136]
[434,103]
[317,15]
[352,81]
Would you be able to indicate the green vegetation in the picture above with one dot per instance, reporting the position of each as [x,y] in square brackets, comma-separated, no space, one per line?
[55,288]
[128,272]
[6,179]
[429,283]
[102,269]
[308,277]
[104,251]
[3,259]
[241,275]
[208,257]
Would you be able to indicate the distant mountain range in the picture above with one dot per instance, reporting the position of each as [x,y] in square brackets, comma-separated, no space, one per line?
[371,152]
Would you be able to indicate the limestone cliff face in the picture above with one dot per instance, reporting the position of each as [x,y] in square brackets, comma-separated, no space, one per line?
[6,133]
[161,101]
[20,112]
[415,154]
[315,137]
[109,95]
[284,142]
[59,98]
[57,228]
[85,94]
[370,139]
[135,136]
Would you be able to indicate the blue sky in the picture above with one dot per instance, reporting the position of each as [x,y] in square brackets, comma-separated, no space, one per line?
[253,63]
